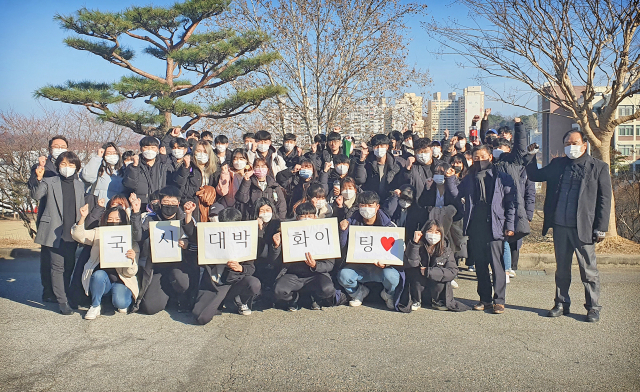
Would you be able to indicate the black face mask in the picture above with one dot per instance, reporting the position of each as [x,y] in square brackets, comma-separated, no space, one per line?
[168,211]
[192,142]
[457,169]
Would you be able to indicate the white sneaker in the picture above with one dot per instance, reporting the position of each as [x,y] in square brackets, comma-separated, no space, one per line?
[508,280]
[359,296]
[454,284]
[92,313]
[388,299]
[512,273]
[244,310]
[415,306]
[124,311]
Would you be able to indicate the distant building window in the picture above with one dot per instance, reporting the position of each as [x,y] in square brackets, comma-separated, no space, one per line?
[626,150]
[625,110]
[625,130]
[637,130]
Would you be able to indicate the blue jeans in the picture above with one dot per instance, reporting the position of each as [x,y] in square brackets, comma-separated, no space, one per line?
[354,273]
[100,285]
[507,256]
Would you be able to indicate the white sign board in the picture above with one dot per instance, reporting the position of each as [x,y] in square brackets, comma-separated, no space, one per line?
[220,242]
[370,244]
[316,236]
[163,240]
[115,242]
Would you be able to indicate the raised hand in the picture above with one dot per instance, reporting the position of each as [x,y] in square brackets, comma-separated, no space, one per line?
[487,112]
[340,201]
[533,148]
[344,224]
[136,160]
[450,172]
[517,120]
[446,134]
[101,152]
[189,207]
[131,255]
[186,160]
[102,202]
[410,162]
[163,150]
[314,148]
[183,243]
[327,166]
[476,118]
[365,151]
[135,203]
[397,192]
[296,169]
[40,172]
[84,210]
[175,132]
[248,174]
[429,183]
[277,240]
[417,236]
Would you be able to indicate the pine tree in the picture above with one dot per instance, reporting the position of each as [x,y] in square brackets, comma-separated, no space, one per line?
[214,58]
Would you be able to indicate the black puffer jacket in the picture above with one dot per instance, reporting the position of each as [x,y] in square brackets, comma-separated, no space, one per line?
[249,193]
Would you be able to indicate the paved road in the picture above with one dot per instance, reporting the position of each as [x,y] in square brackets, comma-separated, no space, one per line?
[359,349]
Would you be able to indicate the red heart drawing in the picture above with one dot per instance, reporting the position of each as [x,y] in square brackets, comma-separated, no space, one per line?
[387,243]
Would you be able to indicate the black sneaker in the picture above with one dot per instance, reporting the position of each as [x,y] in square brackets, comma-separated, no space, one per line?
[593,316]
[314,304]
[66,309]
[293,304]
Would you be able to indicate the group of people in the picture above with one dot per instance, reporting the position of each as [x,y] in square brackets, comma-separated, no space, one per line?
[462,200]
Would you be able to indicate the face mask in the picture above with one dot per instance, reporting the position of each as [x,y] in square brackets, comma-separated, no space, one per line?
[342,169]
[437,152]
[408,143]
[484,164]
[306,173]
[127,163]
[192,142]
[240,164]
[469,162]
[404,203]
[266,217]
[423,158]
[432,238]
[112,223]
[380,152]
[461,143]
[67,171]
[178,153]
[262,147]
[168,211]
[367,212]
[111,159]
[149,154]
[497,153]
[55,152]
[289,146]
[221,147]
[320,204]
[573,151]
[202,157]
[348,194]
[260,172]
[438,178]
[457,169]
[248,146]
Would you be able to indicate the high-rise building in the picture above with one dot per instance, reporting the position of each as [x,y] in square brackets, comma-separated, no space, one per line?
[454,113]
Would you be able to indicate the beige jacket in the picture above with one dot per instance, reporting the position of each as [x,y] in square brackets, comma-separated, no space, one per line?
[91,237]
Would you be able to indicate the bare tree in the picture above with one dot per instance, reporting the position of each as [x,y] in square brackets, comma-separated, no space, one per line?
[335,53]
[556,48]
[25,138]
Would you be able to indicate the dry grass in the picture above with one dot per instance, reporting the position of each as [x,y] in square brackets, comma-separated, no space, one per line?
[537,243]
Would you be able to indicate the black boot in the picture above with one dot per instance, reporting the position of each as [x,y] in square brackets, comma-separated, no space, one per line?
[558,310]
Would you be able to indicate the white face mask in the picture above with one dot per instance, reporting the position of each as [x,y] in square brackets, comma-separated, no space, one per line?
[149,154]
[348,194]
[248,146]
[461,143]
[221,147]
[55,152]
[432,238]
[437,152]
[320,204]
[497,152]
[266,217]
[404,204]
[111,159]
[262,147]
[178,153]
[202,157]
[423,157]
[438,178]
[408,143]
[289,146]
[573,151]
[469,162]
[67,171]
[367,212]
[342,169]
[380,152]
[239,164]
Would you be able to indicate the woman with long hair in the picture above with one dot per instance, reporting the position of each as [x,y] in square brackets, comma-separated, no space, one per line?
[103,173]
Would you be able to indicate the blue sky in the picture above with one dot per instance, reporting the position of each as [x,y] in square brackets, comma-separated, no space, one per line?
[34,55]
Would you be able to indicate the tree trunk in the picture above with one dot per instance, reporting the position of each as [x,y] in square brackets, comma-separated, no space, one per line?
[604,153]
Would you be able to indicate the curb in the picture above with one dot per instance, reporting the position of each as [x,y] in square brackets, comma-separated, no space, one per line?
[539,261]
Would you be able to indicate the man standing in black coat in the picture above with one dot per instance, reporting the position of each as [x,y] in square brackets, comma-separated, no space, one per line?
[577,206]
